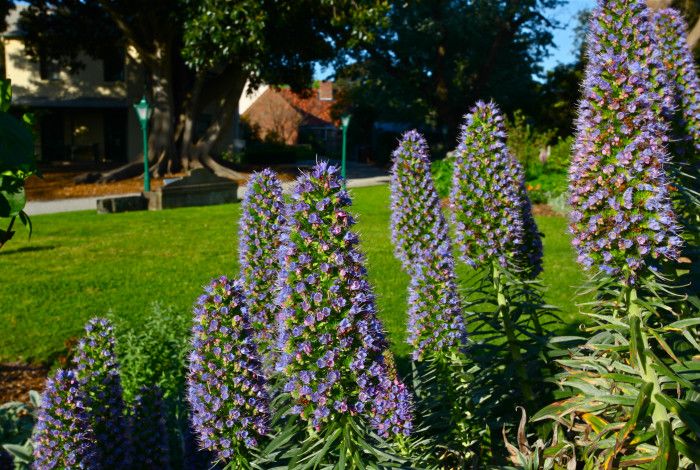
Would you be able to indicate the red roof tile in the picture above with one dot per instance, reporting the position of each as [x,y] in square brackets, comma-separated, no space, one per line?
[316,112]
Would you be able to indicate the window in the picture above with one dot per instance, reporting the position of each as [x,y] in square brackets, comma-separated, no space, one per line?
[114,66]
[3,70]
[49,68]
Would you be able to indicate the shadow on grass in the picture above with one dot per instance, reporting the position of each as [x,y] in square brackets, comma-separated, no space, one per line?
[27,249]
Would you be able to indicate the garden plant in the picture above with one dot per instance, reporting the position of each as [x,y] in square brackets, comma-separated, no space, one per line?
[286,364]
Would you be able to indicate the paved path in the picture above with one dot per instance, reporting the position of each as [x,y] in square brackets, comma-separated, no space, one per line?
[90,203]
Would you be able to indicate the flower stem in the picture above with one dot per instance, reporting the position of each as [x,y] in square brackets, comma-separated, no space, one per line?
[513,345]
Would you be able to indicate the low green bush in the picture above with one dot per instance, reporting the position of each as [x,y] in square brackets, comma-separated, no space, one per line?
[274,153]
[442,175]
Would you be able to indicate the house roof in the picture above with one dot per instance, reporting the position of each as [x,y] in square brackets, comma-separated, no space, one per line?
[317,112]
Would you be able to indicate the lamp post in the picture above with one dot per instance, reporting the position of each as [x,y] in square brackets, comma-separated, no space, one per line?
[345,120]
[143,111]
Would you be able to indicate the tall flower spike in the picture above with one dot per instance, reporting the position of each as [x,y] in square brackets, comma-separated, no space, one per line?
[97,368]
[226,385]
[490,208]
[422,243]
[679,66]
[63,437]
[150,432]
[417,222]
[622,215]
[334,352]
[261,223]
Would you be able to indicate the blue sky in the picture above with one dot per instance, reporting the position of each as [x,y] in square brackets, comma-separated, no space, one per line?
[566,15]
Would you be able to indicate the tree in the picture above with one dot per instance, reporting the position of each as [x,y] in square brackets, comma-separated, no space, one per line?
[199,54]
[433,59]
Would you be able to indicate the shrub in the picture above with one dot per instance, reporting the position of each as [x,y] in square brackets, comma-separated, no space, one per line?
[150,430]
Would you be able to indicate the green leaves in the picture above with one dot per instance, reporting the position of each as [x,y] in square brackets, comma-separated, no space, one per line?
[634,385]
[16,163]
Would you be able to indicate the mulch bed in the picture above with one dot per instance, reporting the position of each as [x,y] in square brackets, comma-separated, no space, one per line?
[59,184]
[16,380]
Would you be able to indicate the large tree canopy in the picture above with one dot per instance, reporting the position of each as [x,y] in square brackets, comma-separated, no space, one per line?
[199,54]
[433,58]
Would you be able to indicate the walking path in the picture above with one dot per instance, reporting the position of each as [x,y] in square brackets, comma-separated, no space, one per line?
[90,203]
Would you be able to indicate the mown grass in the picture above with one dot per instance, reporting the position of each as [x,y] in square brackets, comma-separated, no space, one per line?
[81,264]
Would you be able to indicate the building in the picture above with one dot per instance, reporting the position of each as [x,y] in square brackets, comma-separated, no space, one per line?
[281,115]
[81,117]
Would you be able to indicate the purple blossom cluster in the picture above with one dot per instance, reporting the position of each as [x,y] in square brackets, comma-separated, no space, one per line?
[261,223]
[622,215]
[97,369]
[678,64]
[435,315]
[150,433]
[333,350]
[63,435]
[225,384]
[417,222]
[490,207]
[423,245]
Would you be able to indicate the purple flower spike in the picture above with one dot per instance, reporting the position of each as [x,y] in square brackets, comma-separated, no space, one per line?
[417,222]
[151,446]
[679,66]
[226,385]
[261,224]
[622,215]
[63,436]
[490,207]
[422,243]
[334,353]
[97,369]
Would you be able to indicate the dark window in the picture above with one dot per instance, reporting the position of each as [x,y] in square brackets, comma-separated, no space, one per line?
[115,134]
[114,66]
[3,72]
[48,68]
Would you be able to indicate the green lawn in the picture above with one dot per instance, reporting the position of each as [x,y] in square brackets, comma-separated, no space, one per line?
[81,264]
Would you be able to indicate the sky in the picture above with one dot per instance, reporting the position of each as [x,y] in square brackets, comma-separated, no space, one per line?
[566,15]
[561,52]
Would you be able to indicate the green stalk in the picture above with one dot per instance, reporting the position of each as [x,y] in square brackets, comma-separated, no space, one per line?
[513,346]
[640,343]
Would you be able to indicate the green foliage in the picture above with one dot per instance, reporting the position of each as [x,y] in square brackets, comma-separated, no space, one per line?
[154,353]
[16,163]
[16,424]
[442,175]
[634,386]
[275,153]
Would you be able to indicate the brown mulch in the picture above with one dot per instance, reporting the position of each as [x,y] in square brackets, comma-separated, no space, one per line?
[543,209]
[16,380]
[59,185]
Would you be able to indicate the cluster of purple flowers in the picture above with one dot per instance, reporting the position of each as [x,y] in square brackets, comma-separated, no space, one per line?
[261,224]
[63,435]
[150,433]
[490,208]
[225,385]
[417,222]
[422,243]
[678,63]
[333,350]
[622,215]
[97,369]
